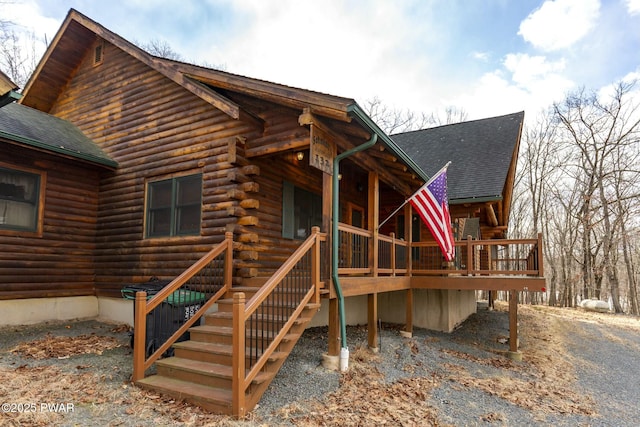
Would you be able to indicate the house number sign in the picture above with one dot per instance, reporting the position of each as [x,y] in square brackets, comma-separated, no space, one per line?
[321,150]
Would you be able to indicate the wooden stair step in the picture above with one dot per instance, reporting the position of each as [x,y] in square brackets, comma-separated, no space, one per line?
[205,347]
[210,369]
[210,398]
[221,332]
[221,349]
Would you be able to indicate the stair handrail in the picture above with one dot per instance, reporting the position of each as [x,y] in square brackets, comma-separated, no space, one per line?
[242,312]
[144,307]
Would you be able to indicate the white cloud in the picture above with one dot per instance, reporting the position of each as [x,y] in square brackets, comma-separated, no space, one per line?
[481,56]
[529,83]
[330,46]
[529,70]
[27,17]
[633,7]
[559,24]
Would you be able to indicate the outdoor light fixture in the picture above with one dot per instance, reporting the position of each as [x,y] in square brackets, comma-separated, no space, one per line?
[300,155]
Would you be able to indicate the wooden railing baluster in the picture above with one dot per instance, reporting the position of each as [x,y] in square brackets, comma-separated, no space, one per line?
[142,361]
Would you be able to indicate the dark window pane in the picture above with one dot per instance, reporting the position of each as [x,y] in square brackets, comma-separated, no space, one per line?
[160,194]
[160,222]
[307,212]
[189,190]
[188,220]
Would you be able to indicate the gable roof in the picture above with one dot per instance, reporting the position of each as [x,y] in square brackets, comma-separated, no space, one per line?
[482,153]
[34,128]
[78,33]
[6,84]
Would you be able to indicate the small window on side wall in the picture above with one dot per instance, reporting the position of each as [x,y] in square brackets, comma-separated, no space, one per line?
[20,200]
[174,206]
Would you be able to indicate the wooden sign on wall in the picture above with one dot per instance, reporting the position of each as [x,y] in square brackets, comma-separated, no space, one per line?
[321,150]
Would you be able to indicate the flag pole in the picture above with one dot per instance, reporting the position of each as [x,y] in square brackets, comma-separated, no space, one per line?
[406,201]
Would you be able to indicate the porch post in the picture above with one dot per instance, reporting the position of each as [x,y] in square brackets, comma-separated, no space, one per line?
[408,235]
[334,318]
[374,219]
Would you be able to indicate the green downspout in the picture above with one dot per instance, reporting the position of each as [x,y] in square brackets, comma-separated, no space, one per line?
[334,232]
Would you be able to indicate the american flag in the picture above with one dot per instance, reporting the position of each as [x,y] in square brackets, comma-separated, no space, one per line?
[432,204]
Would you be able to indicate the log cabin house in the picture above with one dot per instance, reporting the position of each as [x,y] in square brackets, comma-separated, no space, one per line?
[257,203]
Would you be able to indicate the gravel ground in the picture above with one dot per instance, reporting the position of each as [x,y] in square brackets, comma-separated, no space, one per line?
[577,370]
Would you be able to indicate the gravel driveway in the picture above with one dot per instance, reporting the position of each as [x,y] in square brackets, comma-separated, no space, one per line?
[579,369]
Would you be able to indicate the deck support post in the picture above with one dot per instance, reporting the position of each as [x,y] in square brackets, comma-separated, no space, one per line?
[372,317]
[514,354]
[408,327]
[334,328]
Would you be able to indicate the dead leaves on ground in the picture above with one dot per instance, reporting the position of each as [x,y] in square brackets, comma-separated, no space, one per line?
[364,399]
[62,347]
[544,383]
[99,396]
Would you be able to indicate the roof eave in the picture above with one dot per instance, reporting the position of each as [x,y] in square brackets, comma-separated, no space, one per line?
[355,111]
[108,163]
[483,199]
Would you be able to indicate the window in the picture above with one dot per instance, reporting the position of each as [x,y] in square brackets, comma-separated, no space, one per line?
[301,210]
[174,206]
[19,200]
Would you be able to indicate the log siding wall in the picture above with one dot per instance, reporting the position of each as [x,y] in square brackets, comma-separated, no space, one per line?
[60,262]
[154,129]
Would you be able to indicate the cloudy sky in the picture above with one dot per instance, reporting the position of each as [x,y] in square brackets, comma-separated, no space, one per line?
[487,57]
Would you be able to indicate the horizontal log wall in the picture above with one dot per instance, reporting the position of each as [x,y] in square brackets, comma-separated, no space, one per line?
[60,261]
[154,129]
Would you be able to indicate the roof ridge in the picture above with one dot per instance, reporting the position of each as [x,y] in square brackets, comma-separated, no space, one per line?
[459,123]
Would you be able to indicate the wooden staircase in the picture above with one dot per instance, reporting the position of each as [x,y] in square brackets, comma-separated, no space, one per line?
[200,372]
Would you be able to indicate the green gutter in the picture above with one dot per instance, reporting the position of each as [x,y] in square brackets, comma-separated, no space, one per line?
[61,150]
[334,234]
[9,97]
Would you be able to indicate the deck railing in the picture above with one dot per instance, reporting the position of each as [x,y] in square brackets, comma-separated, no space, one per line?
[261,323]
[392,255]
[180,304]
[522,257]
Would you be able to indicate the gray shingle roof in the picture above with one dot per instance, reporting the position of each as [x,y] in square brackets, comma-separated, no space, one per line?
[35,128]
[480,152]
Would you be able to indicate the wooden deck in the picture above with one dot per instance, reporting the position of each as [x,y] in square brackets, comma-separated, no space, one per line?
[374,264]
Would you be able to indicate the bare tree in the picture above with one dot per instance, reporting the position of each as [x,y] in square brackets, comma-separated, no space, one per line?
[18,55]
[597,130]
[160,48]
[394,120]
